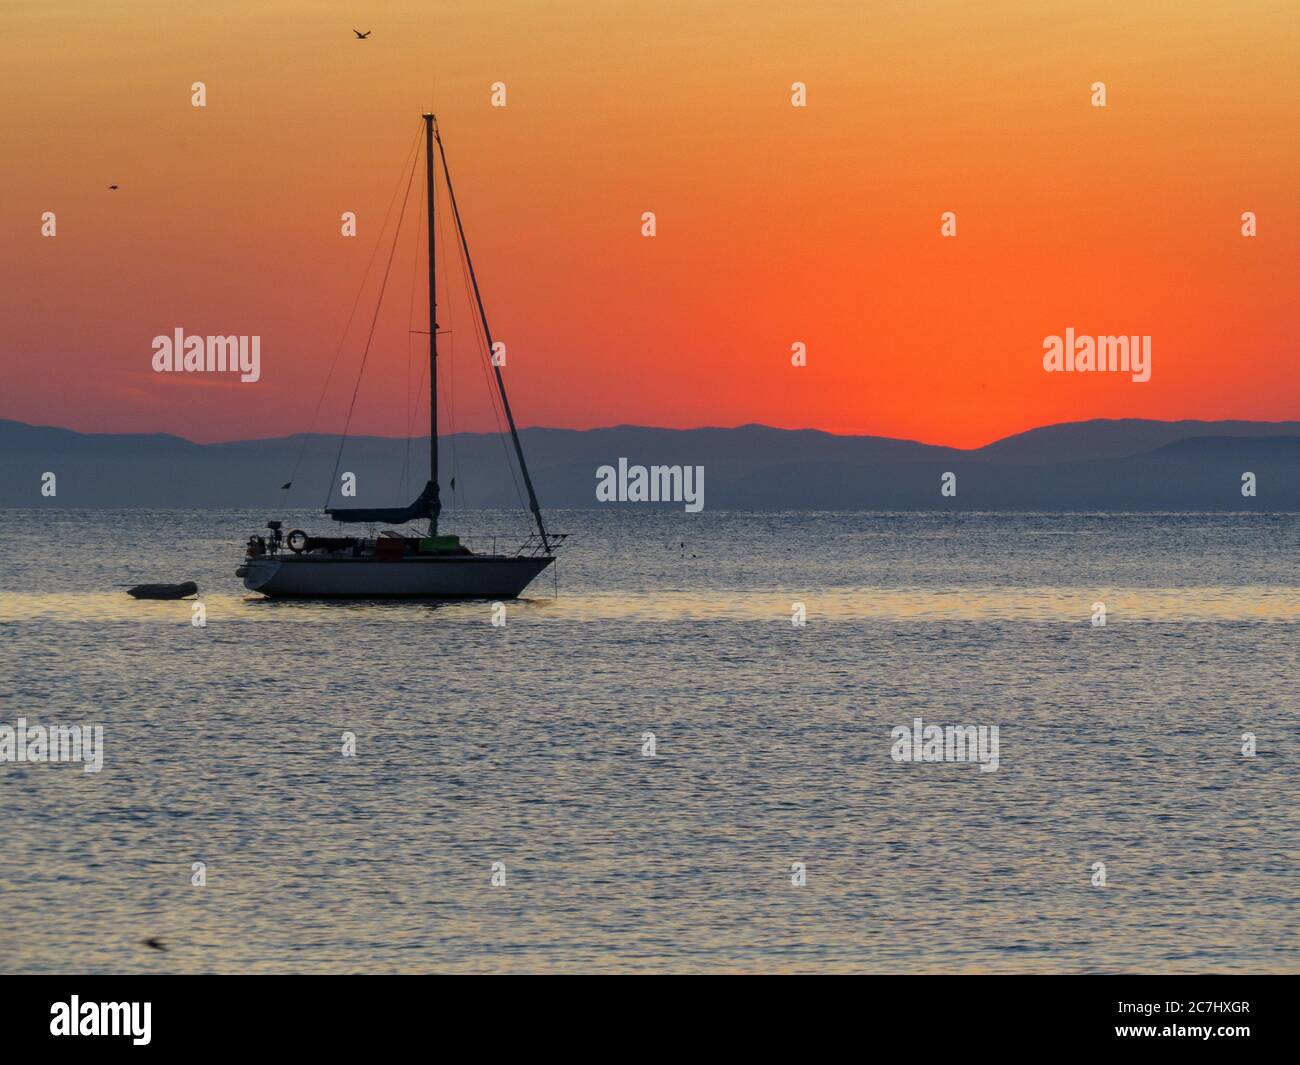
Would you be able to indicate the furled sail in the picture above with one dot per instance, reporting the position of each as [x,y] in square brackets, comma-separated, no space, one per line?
[426,506]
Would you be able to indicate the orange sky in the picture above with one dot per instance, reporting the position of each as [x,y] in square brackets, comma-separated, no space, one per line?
[776,224]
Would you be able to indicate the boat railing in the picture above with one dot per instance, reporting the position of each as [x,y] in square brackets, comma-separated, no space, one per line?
[493,544]
[534,545]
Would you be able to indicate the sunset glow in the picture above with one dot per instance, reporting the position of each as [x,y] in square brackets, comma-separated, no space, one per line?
[775,224]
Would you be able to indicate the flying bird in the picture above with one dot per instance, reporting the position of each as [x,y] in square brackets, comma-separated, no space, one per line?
[361,36]
[112,186]
[155,943]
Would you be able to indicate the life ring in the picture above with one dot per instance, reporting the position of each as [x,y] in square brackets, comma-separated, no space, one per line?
[296,541]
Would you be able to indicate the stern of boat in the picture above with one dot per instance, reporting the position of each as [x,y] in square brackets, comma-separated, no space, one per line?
[258,572]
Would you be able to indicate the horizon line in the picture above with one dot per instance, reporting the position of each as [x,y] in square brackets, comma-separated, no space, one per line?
[849,434]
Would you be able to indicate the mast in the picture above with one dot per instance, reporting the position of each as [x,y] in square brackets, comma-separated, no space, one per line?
[487,334]
[433,334]
[427,505]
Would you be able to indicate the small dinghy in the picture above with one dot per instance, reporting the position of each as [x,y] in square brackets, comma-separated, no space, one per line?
[163,591]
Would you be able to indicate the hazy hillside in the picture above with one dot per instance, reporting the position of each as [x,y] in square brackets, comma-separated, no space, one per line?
[1095,465]
[1104,438]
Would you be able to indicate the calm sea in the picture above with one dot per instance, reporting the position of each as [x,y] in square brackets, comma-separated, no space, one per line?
[523,745]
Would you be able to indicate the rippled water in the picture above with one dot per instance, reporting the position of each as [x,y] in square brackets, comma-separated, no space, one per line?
[523,745]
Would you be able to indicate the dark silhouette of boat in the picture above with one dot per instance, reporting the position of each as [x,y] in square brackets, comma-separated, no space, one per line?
[394,564]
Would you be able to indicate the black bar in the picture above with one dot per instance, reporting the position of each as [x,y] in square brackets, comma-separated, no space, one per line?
[988,1015]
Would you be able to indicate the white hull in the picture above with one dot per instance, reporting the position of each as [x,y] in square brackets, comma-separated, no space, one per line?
[417,577]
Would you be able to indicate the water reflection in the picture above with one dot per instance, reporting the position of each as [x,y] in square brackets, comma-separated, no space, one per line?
[1214,603]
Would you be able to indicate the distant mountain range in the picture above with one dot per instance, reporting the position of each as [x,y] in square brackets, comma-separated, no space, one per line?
[1127,464]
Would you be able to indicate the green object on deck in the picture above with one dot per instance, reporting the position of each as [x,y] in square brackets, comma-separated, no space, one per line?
[432,545]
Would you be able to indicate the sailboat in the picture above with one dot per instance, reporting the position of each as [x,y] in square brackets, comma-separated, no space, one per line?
[393,564]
